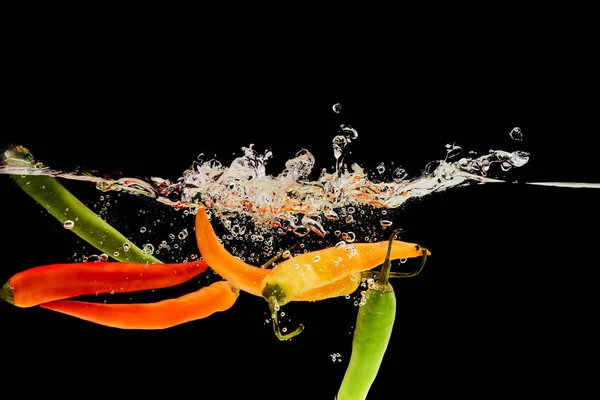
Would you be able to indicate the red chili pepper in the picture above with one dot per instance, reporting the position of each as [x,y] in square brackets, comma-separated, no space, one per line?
[47,283]
[218,296]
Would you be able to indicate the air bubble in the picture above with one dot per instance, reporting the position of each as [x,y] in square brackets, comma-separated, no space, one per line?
[68,224]
[385,223]
[148,249]
[126,246]
[143,229]
[516,134]
[337,107]
[399,174]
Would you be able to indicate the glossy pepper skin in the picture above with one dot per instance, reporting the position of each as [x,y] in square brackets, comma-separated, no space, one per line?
[47,283]
[372,333]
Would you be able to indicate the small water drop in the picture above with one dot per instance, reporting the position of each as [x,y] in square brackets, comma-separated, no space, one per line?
[339,143]
[68,224]
[349,132]
[399,174]
[516,134]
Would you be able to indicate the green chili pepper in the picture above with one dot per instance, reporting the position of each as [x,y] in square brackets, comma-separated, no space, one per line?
[372,333]
[61,204]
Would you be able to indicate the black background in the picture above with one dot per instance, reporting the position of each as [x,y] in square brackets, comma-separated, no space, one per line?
[506,292]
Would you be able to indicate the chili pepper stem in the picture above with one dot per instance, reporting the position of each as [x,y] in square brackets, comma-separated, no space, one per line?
[7,294]
[274,308]
[396,274]
[384,275]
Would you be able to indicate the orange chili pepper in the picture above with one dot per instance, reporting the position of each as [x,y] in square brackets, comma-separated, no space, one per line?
[219,296]
[310,276]
[47,283]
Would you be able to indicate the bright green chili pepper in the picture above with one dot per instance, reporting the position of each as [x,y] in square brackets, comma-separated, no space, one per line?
[372,333]
[63,205]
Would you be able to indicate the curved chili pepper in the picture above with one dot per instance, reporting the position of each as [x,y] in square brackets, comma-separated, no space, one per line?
[47,283]
[319,273]
[219,296]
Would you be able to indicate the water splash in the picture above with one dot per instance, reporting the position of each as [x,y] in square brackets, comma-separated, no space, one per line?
[290,200]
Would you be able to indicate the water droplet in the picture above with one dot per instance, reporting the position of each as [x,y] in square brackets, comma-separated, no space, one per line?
[314,226]
[349,132]
[339,143]
[331,215]
[516,134]
[452,151]
[143,229]
[399,174]
[337,107]
[126,246]
[317,259]
[68,224]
